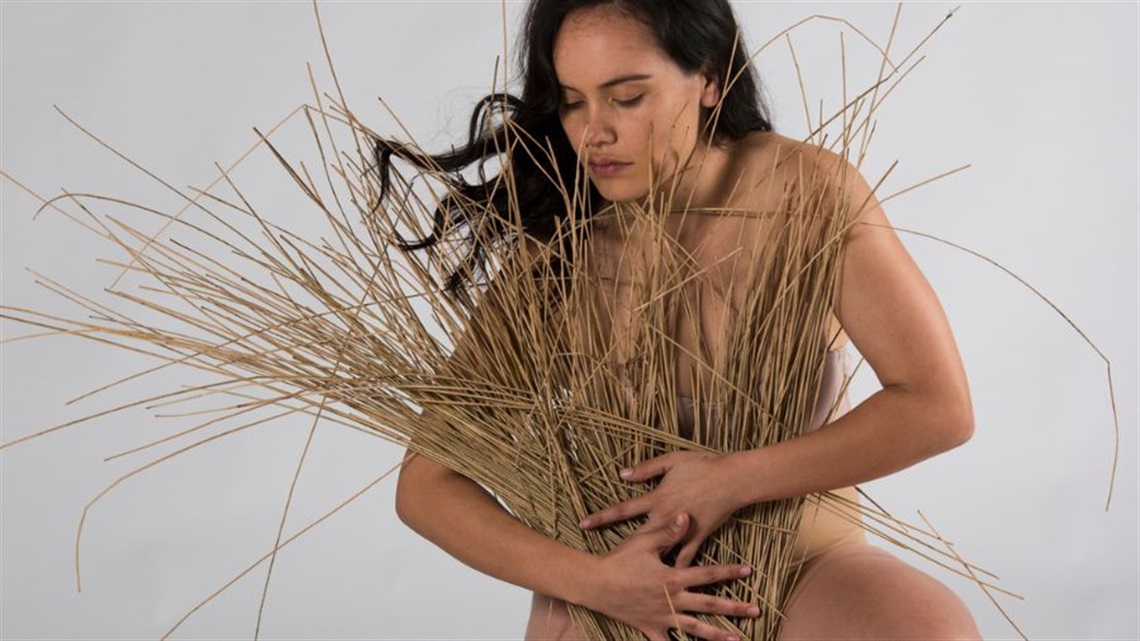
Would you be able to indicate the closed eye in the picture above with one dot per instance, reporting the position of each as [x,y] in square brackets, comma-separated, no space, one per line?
[629,102]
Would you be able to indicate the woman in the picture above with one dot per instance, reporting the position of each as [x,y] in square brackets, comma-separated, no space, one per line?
[645,94]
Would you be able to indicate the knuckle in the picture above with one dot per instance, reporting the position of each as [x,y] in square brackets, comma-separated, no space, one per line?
[695,627]
[730,572]
[710,604]
[734,608]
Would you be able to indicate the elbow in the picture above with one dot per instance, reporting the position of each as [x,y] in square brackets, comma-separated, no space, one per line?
[403,503]
[419,487]
[947,411]
[960,431]
[957,426]
[406,490]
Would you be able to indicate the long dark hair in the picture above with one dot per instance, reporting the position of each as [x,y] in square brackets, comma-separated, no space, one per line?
[698,35]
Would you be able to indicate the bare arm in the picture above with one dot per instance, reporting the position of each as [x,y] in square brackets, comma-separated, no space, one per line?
[465,520]
[630,584]
[893,317]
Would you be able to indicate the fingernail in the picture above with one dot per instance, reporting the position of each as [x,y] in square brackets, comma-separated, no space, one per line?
[754,611]
[745,571]
[679,519]
[733,639]
[585,523]
[626,473]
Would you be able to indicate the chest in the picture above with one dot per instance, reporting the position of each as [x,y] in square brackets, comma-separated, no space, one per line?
[668,294]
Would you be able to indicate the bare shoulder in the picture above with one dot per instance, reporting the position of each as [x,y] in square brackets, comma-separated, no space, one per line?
[764,150]
[775,164]
[768,162]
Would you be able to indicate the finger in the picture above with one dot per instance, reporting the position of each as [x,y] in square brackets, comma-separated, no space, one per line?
[668,535]
[652,524]
[701,630]
[688,552]
[620,512]
[709,604]
[707,574]
[647,469]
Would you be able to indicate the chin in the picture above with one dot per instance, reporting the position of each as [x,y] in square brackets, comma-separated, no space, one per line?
[620,193]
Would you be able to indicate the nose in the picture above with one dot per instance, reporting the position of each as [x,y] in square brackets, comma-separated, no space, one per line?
[599,130]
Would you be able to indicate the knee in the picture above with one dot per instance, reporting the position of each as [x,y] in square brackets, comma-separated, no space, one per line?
[946,630]
[916,606]
[941,620]
[865,593]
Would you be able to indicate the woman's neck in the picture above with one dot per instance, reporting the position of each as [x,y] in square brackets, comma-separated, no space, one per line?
[701,184]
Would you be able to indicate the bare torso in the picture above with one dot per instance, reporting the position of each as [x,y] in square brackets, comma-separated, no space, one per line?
[716,246]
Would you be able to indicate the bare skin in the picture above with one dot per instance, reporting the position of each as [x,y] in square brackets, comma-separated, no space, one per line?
[625,99]
[858,591]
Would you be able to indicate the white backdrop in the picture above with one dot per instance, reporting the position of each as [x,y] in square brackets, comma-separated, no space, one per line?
[1041,98]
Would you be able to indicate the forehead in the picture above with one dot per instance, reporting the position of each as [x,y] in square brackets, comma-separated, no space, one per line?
[596,44]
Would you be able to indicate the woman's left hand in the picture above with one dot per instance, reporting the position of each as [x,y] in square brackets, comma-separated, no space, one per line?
[698,484]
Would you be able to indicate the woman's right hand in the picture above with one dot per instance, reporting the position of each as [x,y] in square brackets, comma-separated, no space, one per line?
[630,583]
[636,587]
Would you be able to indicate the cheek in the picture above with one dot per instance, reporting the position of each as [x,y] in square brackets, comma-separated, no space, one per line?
[679,133]
[662,141]
[645,133]
[574,128]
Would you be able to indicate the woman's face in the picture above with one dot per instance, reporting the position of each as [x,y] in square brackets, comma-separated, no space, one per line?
[628,109]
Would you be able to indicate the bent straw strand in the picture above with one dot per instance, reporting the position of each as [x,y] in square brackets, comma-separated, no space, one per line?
[985,588]
[1088,341]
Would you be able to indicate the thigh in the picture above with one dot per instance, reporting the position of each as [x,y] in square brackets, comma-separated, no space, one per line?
[858,591]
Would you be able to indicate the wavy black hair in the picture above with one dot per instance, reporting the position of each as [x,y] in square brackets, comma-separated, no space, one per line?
[698,35]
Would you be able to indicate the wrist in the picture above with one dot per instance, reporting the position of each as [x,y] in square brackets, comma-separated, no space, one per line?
[581,579]
[747,468]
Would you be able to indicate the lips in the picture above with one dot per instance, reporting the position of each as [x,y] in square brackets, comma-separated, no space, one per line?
[606,167]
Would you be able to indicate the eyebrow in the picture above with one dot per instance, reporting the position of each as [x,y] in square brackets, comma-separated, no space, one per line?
[633,77]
